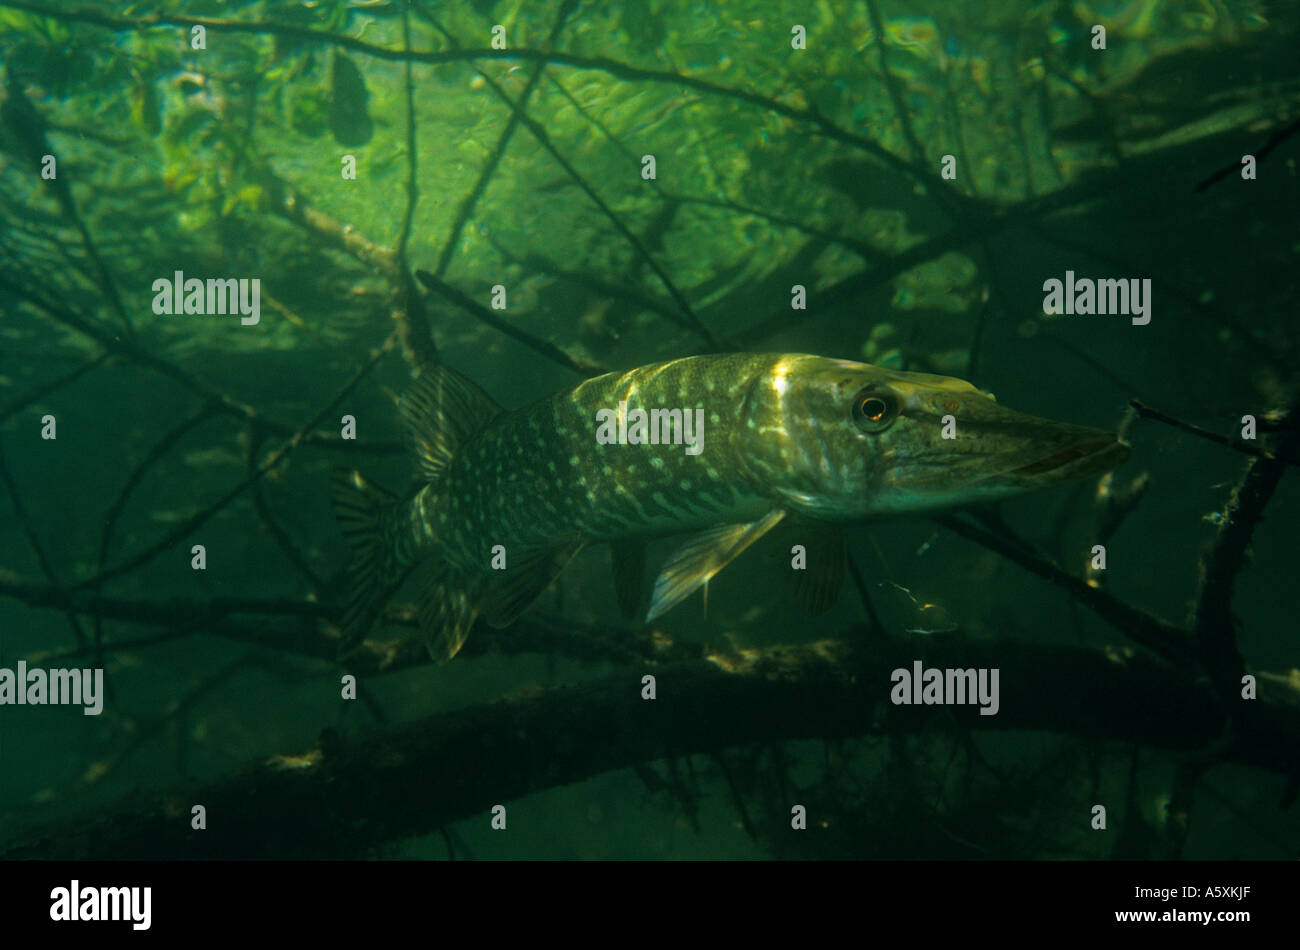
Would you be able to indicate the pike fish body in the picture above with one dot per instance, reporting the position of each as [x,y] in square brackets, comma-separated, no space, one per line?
[724,446]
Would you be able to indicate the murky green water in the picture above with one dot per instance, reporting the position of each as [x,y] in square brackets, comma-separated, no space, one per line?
[669,180]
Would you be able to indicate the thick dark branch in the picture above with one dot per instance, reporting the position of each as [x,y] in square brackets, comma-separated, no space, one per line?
[348,796]
[1212,620]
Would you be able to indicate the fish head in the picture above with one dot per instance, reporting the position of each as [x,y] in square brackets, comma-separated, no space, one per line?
[837,440]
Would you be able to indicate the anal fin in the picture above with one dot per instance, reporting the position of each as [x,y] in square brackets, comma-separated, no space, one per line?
[703,556]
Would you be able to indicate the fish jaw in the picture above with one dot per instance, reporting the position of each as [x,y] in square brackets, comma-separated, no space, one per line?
[990,460]
[836,440]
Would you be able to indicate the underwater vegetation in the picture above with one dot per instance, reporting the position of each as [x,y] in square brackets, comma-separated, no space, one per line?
[253,255]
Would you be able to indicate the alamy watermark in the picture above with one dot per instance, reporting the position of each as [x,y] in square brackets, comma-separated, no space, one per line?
[216,295]
[922,686]
[656,427]
[1083,295]
[34,686]
[75,902]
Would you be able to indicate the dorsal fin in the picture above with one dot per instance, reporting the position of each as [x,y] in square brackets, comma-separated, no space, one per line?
[441,411]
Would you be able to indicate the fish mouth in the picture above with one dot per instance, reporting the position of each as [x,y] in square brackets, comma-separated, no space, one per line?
[1095,454]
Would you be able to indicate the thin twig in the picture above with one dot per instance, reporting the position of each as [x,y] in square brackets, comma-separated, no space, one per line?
[408,309]
[272,525]
[1277,138]
[1143,628]
[901,111]
[412,188]
[19,403]
[178,534]
[1239,445]
[613,67]
[132,351]
[552,352]
[691,320]
[27,127]
[470,201]
[152,457]
[33,538]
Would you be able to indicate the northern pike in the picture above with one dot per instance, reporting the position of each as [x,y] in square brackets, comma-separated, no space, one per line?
[724,446]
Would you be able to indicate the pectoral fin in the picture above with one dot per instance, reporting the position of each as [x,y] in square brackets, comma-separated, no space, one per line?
[702,557]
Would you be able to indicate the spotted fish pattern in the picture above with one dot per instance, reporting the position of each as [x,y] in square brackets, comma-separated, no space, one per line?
[509,497]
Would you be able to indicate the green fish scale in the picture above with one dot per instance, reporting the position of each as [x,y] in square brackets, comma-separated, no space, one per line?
[537,477]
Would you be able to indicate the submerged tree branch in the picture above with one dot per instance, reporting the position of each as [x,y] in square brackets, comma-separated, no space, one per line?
[1143,628]
[305,628]
[470,201]
[577,364]
[408,308]
[1212,621]
[1239,445]
[349,796]
[176,535]
[613,67]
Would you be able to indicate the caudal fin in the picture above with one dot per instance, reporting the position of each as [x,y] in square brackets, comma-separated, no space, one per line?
[359,506]
[442,412]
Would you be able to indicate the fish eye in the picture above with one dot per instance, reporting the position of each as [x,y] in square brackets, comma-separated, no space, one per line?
[874,410]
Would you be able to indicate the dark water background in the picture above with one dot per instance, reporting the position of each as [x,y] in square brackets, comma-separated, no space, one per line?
[1068,158]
